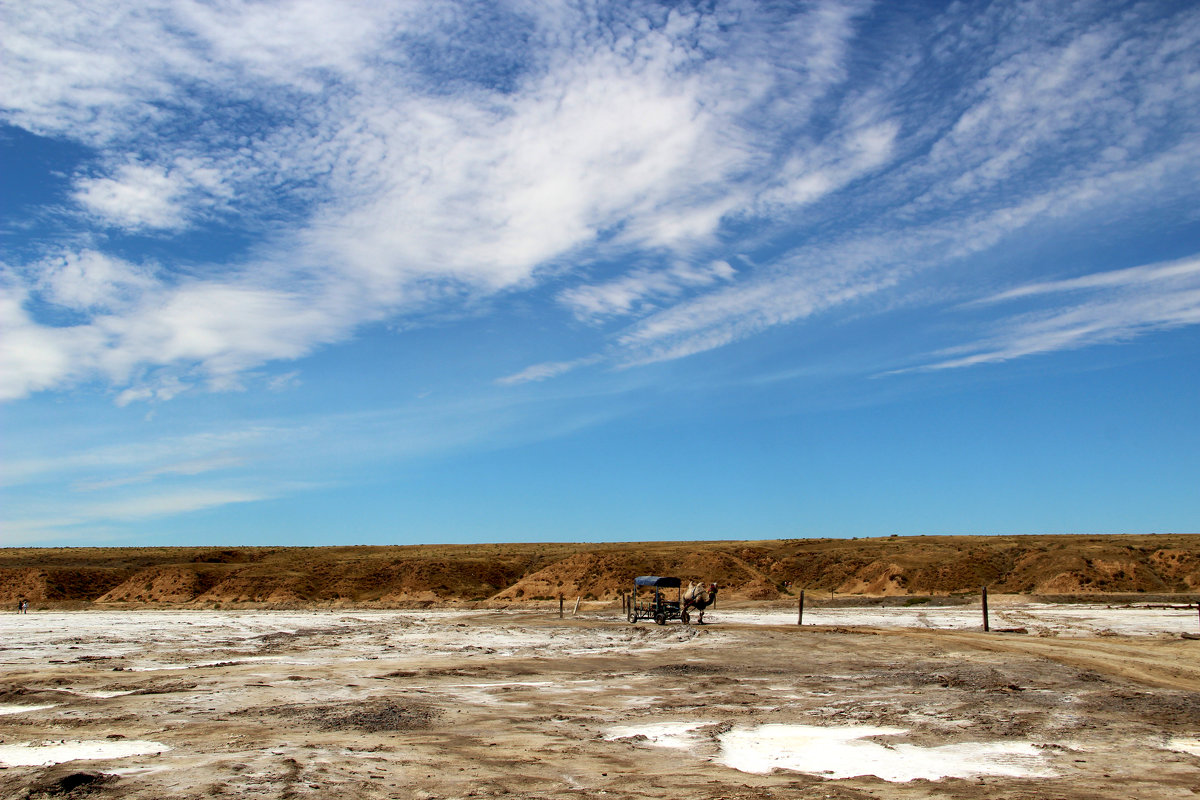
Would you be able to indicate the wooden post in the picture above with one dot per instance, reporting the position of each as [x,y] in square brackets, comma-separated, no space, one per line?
[624,609]
[560,606]
[800,617]
[576,609]
[985,613]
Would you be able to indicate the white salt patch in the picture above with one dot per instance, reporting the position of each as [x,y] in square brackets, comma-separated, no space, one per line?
[22,709]
[677,735]
[42,755]
[1191,746]
[1038,618]
[843,753]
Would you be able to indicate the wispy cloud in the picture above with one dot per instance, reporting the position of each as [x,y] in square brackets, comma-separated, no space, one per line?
[545,371]
[139,461]
[1099,308]
[197,466]
[641,288]
[169,503]
[89,522]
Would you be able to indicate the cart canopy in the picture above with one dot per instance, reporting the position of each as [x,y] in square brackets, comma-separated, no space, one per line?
[654,580]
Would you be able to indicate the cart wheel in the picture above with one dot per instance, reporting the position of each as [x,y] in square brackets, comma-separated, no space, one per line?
[660,618]
[685,617]
[632,616]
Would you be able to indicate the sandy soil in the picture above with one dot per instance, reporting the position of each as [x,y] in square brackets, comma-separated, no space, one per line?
[1091,704]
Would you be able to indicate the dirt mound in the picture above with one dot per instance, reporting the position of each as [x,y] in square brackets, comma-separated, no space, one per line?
[1178,568]
[879,578]
[25,583]
[1090,566]
[157,585]
[268,589]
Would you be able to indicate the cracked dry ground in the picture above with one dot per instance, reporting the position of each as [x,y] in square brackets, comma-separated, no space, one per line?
[520,706]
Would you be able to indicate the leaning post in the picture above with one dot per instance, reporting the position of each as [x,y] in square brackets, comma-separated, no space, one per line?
[800,615]
[985,613]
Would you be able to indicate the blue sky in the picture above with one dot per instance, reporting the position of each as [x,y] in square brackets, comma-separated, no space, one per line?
[318,272]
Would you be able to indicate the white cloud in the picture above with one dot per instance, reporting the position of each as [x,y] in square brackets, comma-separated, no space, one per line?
[92,280]
[35,357]
[137,197]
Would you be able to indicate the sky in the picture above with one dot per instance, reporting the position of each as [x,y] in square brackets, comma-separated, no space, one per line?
[322,272]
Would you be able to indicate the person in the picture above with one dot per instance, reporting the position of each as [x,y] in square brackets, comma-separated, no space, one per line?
[23,606]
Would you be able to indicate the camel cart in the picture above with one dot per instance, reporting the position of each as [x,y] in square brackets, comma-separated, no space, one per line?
[657,606]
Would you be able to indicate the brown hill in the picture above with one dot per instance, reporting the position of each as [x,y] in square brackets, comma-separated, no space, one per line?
[504,574]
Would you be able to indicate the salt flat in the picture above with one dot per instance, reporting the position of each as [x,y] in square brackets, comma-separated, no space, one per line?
[1037,618]
[1094,703]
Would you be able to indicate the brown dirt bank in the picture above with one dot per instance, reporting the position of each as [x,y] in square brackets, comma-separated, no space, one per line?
[508,574]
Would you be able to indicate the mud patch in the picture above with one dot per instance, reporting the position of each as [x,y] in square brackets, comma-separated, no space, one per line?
[687,669]
[371,717]
[1180,707]
[72,784]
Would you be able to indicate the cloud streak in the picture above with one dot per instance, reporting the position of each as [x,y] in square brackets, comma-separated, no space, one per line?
[1101,308]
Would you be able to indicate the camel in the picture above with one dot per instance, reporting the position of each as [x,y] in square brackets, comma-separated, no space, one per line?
[699,597]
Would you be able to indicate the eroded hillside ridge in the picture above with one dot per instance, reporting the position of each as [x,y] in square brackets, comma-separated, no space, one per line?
[504,574]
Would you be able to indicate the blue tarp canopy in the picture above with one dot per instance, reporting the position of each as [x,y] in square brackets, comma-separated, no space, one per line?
[654,580]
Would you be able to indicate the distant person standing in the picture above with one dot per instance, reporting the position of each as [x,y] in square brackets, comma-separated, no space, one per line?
[22,606]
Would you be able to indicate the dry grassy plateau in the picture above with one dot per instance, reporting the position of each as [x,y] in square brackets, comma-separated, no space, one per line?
[507,575]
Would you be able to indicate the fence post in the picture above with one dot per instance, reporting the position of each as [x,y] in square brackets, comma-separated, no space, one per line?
[985,612]
[800,617]
[560,606]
